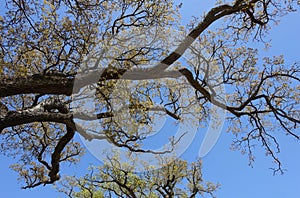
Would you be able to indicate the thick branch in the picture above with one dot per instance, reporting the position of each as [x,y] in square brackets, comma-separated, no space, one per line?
[55,157]
[212,16]
[40,84]
[35,84]
[24,117]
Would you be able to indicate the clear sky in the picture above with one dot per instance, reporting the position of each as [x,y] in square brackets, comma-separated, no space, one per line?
[229,168]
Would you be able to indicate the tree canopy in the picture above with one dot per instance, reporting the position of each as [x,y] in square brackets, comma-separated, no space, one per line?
[133,61]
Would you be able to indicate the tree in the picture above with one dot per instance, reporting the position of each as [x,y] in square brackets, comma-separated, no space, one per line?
[54,52]
[118,179]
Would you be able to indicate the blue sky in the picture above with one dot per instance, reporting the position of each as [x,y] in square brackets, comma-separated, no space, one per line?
[229,168]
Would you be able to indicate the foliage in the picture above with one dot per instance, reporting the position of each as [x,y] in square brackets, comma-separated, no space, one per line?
[177,179]
[53,51]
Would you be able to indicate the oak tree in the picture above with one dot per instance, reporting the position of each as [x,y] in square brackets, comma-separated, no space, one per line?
[140,55]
